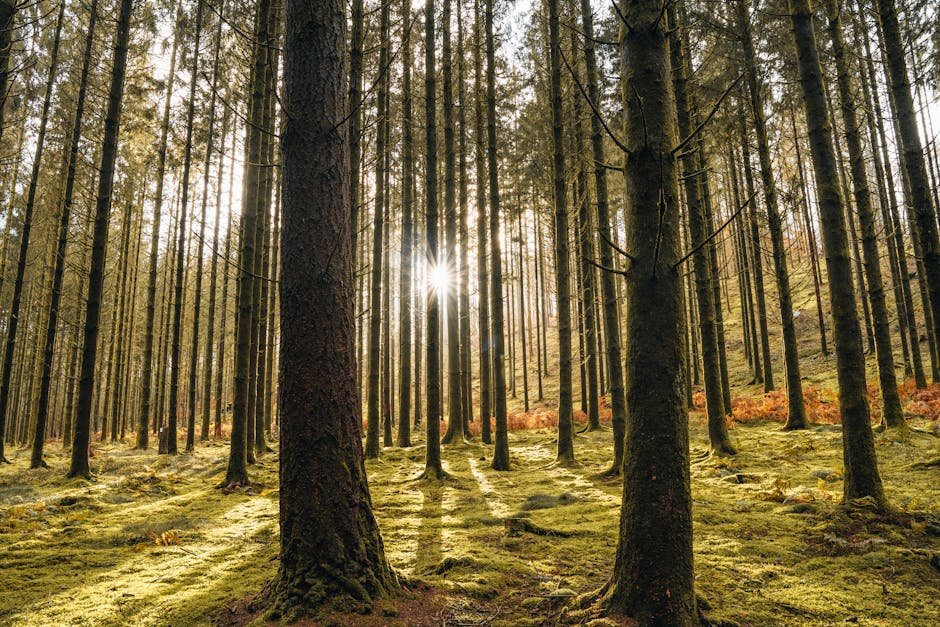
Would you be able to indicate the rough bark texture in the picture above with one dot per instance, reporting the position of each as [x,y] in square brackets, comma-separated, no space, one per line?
[652,580]
[331,550]
[861,467]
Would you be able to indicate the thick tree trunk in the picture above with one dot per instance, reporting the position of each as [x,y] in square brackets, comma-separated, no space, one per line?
[653,579]
[332,554]
[861,467]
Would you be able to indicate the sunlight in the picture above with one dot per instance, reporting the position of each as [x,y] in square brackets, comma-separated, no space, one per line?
[438,277]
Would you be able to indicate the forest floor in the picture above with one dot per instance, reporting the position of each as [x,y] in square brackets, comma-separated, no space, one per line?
[152,541]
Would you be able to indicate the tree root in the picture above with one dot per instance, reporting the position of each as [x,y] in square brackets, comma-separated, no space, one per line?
[517,525]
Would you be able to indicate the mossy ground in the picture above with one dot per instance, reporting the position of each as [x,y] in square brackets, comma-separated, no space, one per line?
[152,542]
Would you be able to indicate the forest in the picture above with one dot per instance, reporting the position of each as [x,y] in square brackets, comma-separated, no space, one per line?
[470,312]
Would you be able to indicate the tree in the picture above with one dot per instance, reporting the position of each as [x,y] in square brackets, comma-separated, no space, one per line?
[497,339]
[699,231]
[147,374]
[652,580]
[331,550]
[378,221]
[891,402]
[861,467]
[608,288]
[924,218]
[237,471]
[796,412]
[432,456]
[562,272]
[82,431]
[449,263]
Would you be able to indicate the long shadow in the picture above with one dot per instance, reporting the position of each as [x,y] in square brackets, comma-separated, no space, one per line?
[430,538]
[95,539]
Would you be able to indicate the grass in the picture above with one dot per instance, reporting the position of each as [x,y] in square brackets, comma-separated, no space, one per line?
[152,542]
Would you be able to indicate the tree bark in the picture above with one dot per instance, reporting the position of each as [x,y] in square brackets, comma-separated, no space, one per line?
[861,467]
[79,465]
[332,556]
[652,580]
[923,213]
[565,445]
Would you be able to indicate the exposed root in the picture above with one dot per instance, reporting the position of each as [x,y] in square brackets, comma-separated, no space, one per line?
[517,525]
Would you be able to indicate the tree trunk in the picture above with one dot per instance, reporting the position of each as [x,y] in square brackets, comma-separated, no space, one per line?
[79,464]
[562,273]
[924,217]
[891,402]
[501,452]
[861,467]
[407,228]
[699,231]
[796,412]
[378,225]
[432,457]
[39,433]
[608,287]
[331,551]
[652,580]
[237,471]
[483,279]
[143,425]
[448,270]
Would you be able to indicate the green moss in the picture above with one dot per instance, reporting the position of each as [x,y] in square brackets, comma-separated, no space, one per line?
[772,543]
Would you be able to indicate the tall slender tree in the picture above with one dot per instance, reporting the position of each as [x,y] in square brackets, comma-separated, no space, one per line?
[79,465]
[861,467]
